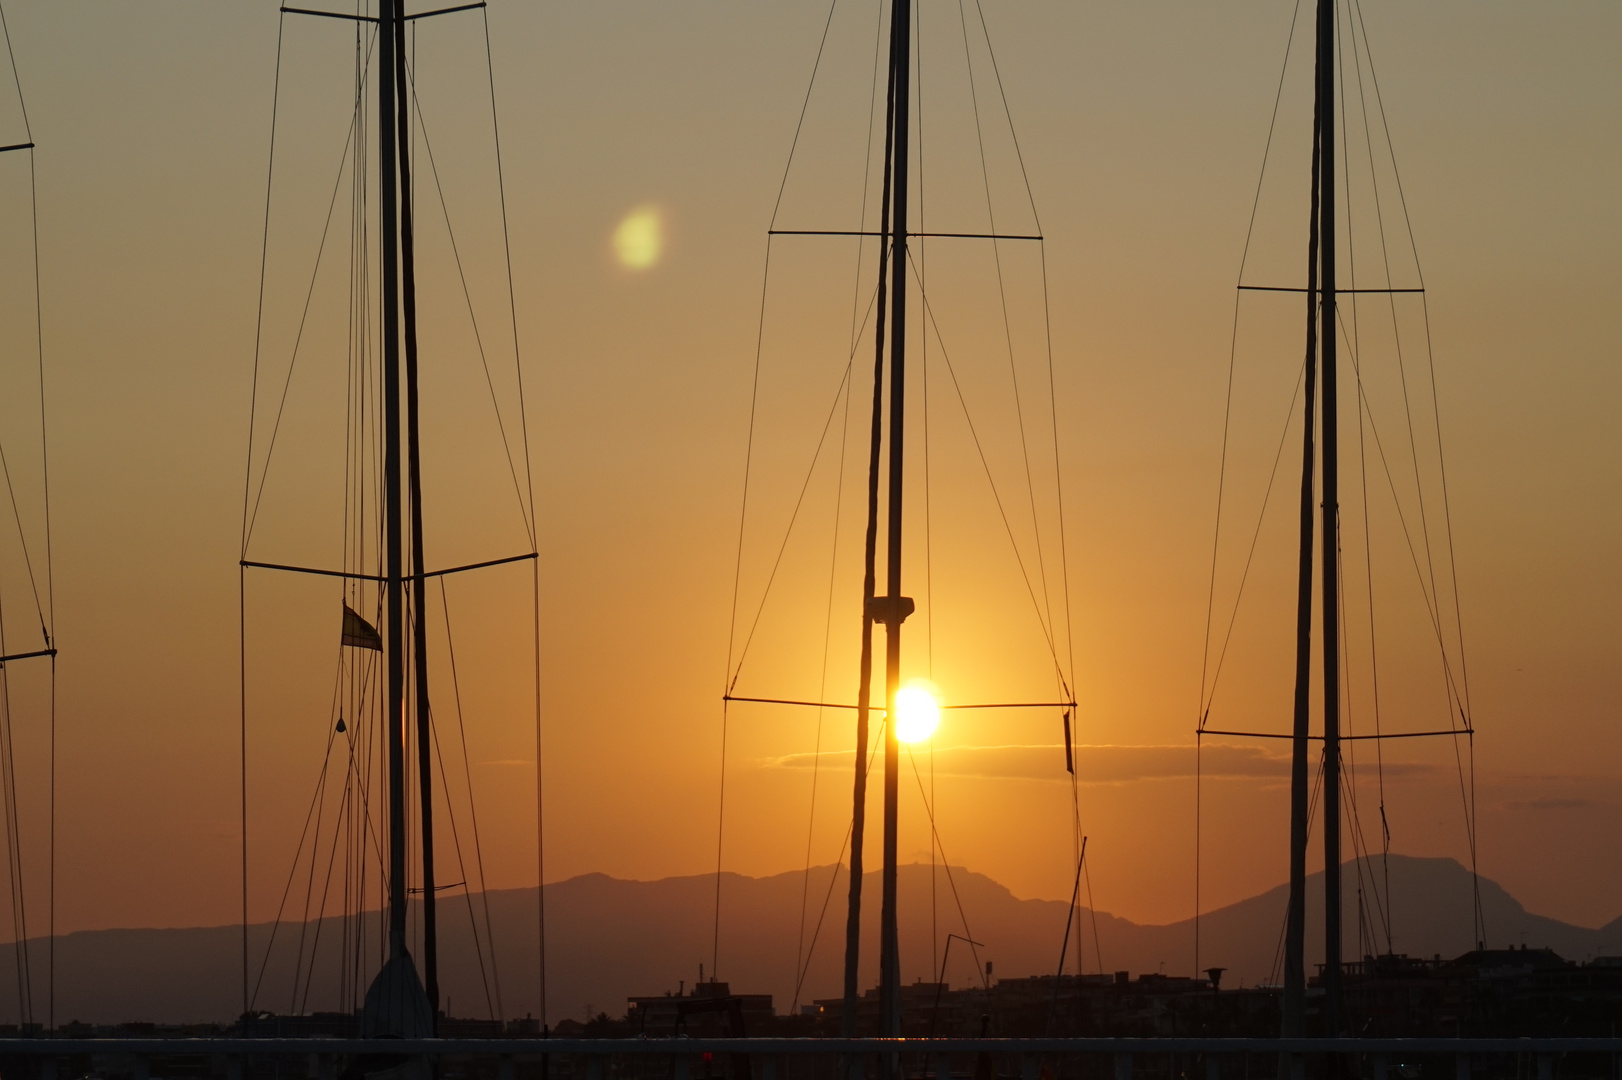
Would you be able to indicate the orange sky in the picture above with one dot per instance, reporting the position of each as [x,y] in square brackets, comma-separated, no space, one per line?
[1141,126]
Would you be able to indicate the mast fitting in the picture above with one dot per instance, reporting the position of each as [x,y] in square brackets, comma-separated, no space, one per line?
[890,609]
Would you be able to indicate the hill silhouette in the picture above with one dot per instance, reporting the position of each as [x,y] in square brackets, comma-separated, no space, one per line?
[608,938]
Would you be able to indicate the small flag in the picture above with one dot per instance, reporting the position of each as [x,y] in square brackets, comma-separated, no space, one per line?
[360,633]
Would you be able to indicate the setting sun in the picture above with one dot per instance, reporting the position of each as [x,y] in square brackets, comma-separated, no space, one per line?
[917,714]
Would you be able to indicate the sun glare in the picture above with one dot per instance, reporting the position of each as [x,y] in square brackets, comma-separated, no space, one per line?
[639,238]
[917,714]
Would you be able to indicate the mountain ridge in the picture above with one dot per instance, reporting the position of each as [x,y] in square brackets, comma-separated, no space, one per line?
[609,938]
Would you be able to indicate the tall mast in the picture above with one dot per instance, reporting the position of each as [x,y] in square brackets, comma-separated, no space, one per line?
[853,918]
[1295,973]
[897,606]
[1320,351]
[892,608]
[419,583]
[1331,520]
[394,719]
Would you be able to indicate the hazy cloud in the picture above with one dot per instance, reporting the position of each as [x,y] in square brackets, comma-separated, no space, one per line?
[1097,764]
[1550,802]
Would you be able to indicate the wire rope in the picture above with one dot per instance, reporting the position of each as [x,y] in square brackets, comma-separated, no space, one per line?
[737,579]
[247,487]
[1222,478]
[1233,347]
[526,512]
[1007,325]
[1368,543]
[8,796]
[1447,510]
[1391,484]
[292,873]
[46,612]
[857,323]
[1092,911]
[321,917]
[929,527]
[1464,783]
[478,846]
[840,391]
[929,312]
[822,684]
[872,754]
[947,866]
[534,531]
[1349,779]
[1312,813]
[461,864]
[292,367]
[805,104]
[319,803]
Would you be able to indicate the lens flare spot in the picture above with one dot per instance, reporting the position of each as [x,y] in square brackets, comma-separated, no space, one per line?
[639,239]
[917,714]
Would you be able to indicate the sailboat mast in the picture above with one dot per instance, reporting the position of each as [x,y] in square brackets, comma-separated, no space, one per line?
[394,720]
[419,582]
[1295,972]
[1330,526]
[898,606]
[891,608]
[864,689]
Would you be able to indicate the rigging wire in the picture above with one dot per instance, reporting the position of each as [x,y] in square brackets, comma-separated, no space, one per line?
[1092,911]
[1466,782]
[1047,634]
[292,873]
[473,814]
[1275,971]
[251,518]
[1233,353]
[737,579]
[822,682]
[535,568]
[929,529]
[319,804]
[946,865]
[47,612]
[1002,296]
[526,512]
[247,486]
[799,982]
[8,796]
[1368,543]
[1436,416]
[1222,479]
[357,442]
[733,674]
[734,671]
[805,104]
[461,864]
[321,921]
[1348,781]
[1391,484]
[1368,550]
[801,955]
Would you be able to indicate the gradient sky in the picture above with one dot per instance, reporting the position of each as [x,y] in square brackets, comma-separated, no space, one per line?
[1142,127]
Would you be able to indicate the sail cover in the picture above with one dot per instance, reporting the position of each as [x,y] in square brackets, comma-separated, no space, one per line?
[360,633]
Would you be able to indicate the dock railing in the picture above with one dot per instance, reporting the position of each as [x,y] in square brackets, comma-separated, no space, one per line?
[46,1058]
